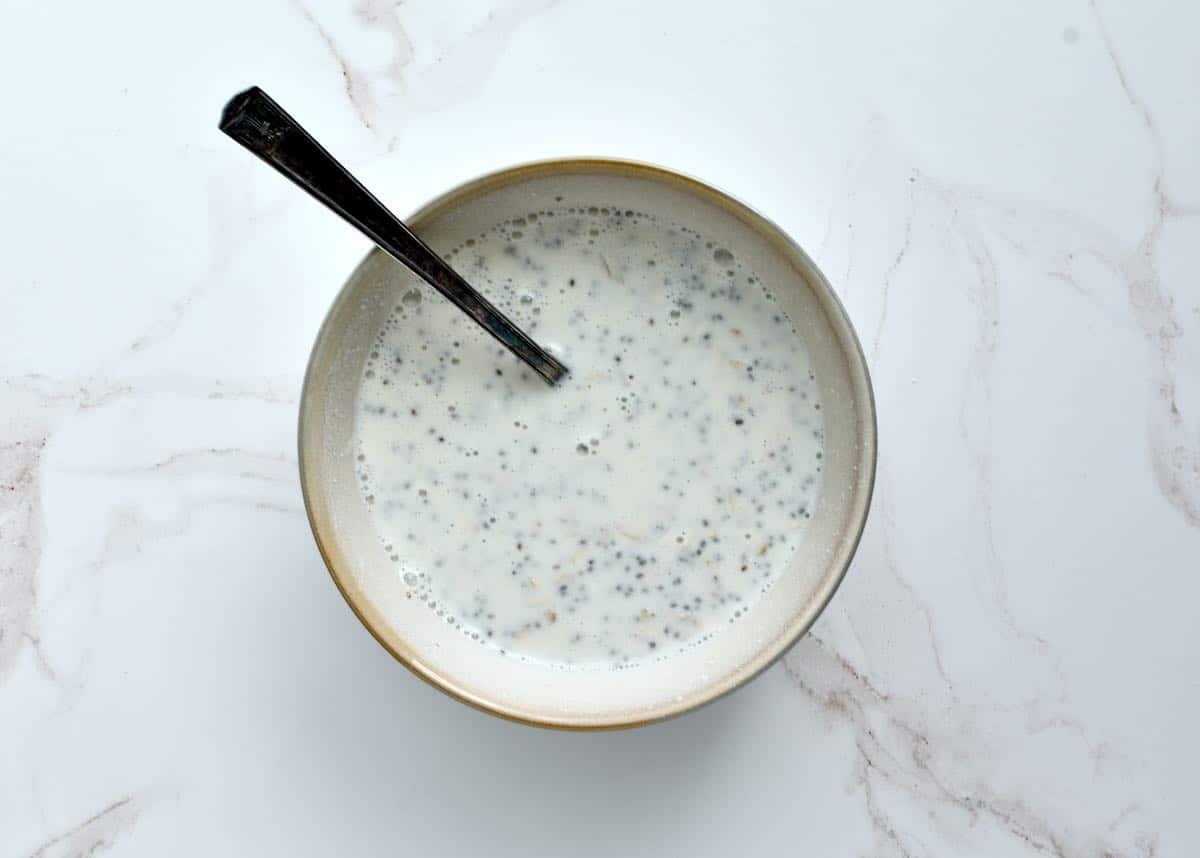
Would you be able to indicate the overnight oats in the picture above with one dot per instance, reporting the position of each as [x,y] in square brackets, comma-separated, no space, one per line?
[633,511]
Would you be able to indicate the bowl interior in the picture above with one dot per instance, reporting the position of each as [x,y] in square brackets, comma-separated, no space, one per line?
[538,693]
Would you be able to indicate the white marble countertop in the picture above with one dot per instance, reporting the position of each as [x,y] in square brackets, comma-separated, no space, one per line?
[1007,196]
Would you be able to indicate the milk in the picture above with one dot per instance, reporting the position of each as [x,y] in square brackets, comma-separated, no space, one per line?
[636,509]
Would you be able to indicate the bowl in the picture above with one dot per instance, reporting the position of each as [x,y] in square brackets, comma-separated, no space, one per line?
[537,693]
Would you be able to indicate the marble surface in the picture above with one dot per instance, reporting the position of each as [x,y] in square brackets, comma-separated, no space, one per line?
[1007,196]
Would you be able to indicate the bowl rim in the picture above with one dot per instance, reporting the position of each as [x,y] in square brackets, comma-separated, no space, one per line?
[867,466]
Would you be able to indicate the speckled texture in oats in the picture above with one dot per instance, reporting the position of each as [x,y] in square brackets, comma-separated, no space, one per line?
[638,508]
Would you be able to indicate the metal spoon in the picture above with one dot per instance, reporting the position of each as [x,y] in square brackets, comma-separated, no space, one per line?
[253,119]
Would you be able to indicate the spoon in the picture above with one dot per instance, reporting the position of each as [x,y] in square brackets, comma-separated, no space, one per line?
[253,119]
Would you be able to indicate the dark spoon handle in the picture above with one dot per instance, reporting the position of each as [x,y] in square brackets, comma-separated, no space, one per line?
[253,119]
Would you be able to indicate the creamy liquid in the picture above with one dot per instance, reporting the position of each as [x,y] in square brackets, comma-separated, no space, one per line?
[636,509]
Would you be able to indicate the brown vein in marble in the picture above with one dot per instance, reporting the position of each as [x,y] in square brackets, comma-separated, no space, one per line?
[890,273]
[36,404]
[248,462]
[384,15]
[288,509]
[1175,455]
[384,99]
[262,395]
[95,834]
[129,531]
[358,91]
[91,392]
[977,433]
[220,230]
[965,209]
[879,819]
[1028,827]
[883,510]
[1069,279]
[850,195]
[22,535]
[976,414]
[904,757]
[83,393]
[39,654]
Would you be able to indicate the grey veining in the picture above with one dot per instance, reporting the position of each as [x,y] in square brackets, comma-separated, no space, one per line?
[1003,196]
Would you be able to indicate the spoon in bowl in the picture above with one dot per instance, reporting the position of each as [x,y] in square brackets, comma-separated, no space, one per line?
[253,119]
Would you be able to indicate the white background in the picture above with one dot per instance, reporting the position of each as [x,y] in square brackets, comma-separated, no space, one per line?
[1007,197]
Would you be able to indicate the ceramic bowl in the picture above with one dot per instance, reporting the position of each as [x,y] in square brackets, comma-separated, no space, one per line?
[528,691]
